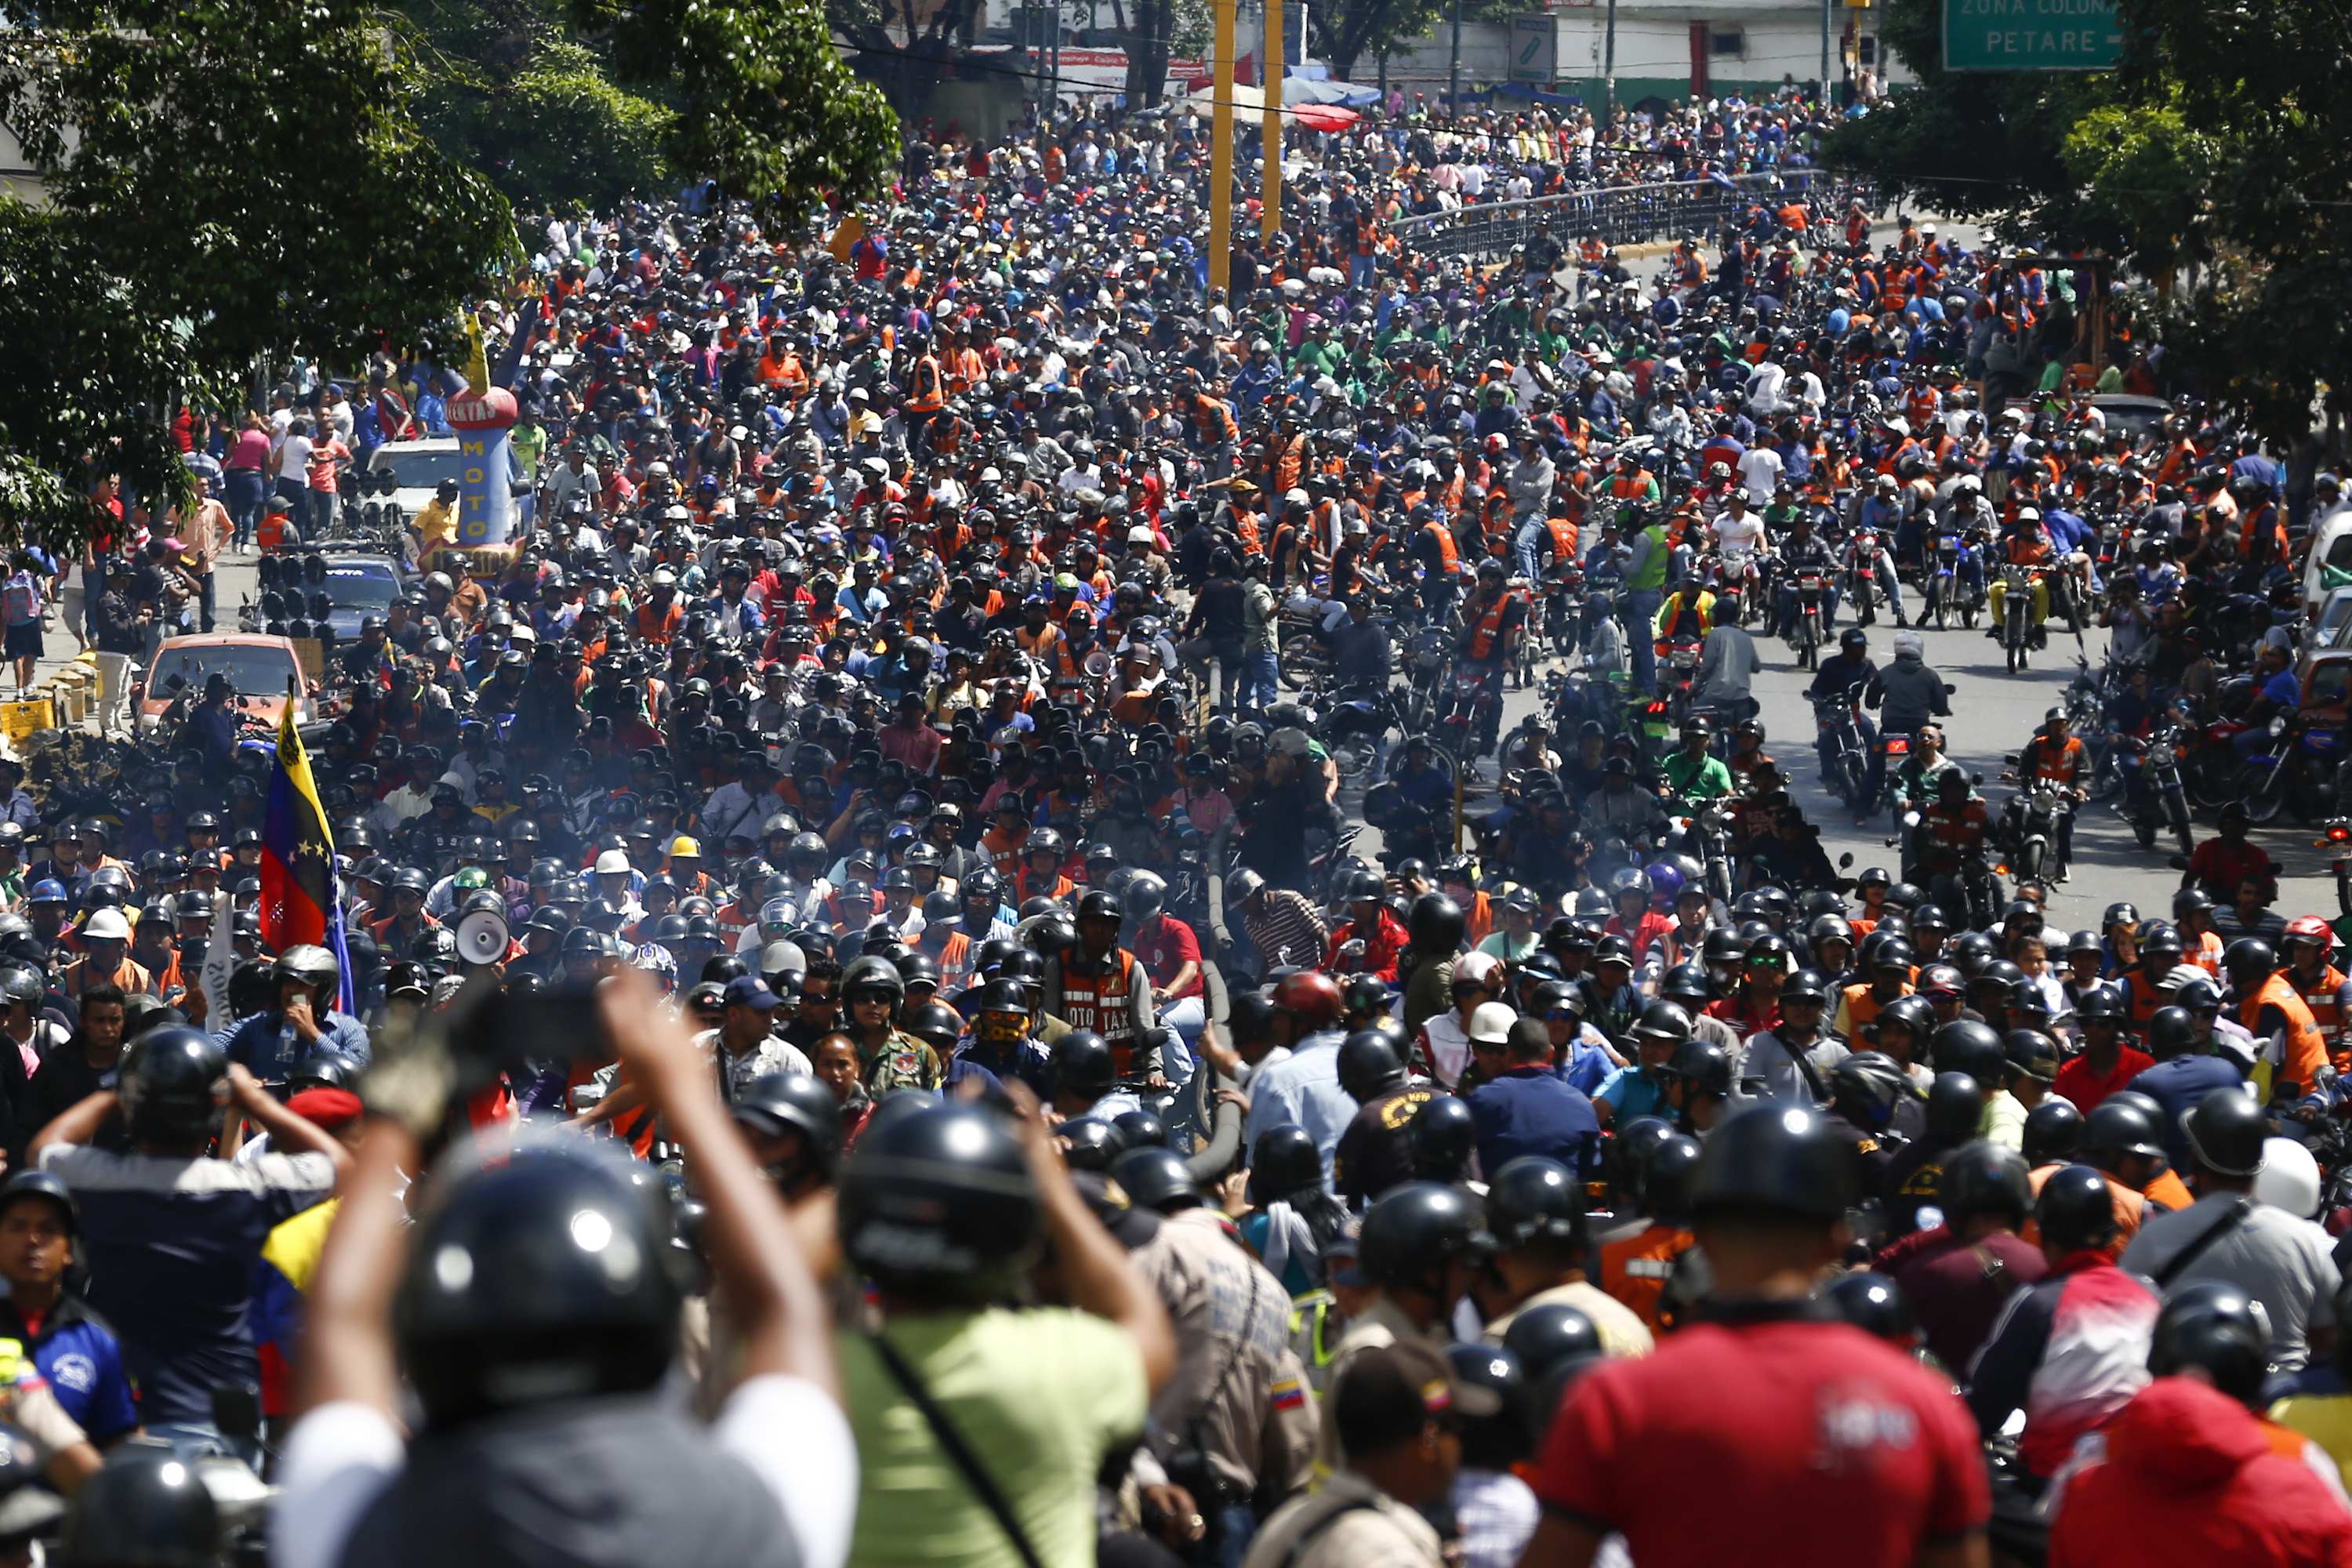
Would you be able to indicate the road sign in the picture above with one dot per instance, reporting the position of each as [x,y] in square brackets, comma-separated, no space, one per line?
[2032,36]
[1535,49]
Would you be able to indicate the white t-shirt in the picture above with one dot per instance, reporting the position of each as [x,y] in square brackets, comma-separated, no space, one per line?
[1759,471]
[294,460]
[341,1457]
[1737,538]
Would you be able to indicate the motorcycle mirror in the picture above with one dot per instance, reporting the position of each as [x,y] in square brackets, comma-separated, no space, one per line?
[2010,757]
[1976,778]
[1950,688]
[1845,860]
[2178,862]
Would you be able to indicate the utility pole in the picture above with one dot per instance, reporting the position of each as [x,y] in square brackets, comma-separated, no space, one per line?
[1825,54]
[1270,221]
[1454,71]
[1608,76]
[1221,146]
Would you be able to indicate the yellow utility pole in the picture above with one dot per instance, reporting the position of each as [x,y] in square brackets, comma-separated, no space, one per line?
[1270,222]
[1220,148]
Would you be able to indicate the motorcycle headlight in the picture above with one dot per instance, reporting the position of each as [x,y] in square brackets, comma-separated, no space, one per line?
[2163,756]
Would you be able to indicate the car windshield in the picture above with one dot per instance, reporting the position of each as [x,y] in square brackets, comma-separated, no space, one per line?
[425,471]
[420,471]
[2133,419]
[254,670]
[359,586]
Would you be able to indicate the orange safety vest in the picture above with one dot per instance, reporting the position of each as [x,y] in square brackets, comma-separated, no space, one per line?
[955,961]
[1099,1003]
[2306,1048]
[1622,488]
[1635,1269]
[2320,1001]
[1449,560]
[2063,768]
[928,392]
[1563,538]
[1489,629]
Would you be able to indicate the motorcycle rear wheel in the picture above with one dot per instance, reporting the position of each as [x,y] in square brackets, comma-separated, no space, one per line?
[2262,791]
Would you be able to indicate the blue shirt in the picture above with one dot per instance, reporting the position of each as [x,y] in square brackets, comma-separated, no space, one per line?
[2177,1084]
[1528,1110]
[170,1245]
[266,1046]
[1630,1092]
[1304,1091]
[81,1360]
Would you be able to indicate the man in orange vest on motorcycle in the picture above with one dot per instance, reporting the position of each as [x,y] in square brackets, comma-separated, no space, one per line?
[1100,985]
[2324,989]
[2057,759]
[2269,1006]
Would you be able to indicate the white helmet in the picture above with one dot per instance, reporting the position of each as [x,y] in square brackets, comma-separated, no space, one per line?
[2289,1178]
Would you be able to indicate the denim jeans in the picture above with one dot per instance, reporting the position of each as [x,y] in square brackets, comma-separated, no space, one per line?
[244,490]
[1524,545]
[1639,617]
[1261,681]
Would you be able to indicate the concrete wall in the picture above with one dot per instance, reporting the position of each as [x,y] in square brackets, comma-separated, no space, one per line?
[1778,43]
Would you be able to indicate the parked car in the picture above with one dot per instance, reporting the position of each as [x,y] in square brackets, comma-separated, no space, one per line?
[259,670]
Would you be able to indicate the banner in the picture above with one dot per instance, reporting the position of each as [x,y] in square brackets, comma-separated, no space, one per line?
[485,503]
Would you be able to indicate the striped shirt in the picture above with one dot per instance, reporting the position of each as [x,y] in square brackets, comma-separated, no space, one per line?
[1285,929]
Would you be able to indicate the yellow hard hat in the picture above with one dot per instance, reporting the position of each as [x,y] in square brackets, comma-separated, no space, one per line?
[682,845]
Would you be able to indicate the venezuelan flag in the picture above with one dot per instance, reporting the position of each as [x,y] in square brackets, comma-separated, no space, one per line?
[297,852]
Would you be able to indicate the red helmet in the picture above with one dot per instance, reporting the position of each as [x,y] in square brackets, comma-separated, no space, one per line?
[2308,928]
[1310,997]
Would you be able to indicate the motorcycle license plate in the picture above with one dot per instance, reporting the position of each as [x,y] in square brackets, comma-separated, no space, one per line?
[1897,746]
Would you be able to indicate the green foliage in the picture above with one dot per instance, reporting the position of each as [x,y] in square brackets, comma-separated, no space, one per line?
[2144,177]
[1346,30]
[764,104]
[87,364]
[510,93]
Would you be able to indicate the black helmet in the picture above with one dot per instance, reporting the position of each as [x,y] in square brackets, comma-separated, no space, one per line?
[1955,1107]
[1438,923]
[1090,1143]
[1686,986]
[1084,1064]
[1663,1021]
[322,1070]
[171,1083]
[1805,985]
[2053,1130]
[780,1102]
[143,1507]
[2226,1131]
[1895,953]
[1966,1046]
[1156,1178]
[1550,1336]
[2099,1001]
[1706,1067]
[1100,904]
[2214,1326]
[2248,962]
[937,1202]
[1286,1159]
[1444,1135]
[1984,1179]
[53,1189]
[1670,1174]
[1531,1198]
[590,1307]
[2170,1031]
[1141,1129]
[1876,1305]
[1866,1087]
[1414,1231]
[1368,1065]
[1916,1014]
[2076,1210]
[1775,1159]
[2120,1126]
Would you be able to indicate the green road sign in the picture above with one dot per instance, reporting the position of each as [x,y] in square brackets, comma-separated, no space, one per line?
[2030,36]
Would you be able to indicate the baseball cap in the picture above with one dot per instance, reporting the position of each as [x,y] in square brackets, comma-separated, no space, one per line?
[1386,1396]
[750,991]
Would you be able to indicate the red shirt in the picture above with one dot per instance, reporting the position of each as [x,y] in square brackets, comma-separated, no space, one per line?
[1163,945]
[1817,1444]
[2078,1082]
[2219,862]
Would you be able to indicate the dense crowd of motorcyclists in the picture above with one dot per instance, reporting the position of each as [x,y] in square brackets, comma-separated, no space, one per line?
[861,1024]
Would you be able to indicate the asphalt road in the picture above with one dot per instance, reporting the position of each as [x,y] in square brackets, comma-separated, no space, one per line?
[1993,713]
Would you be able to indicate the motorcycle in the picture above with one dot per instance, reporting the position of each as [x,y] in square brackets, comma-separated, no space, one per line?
[1844,766]
[1894,749]
[1355,729]
[1305,657]
[1974,887]
[2017,615]
[1948,588]
[2296,769]
[2159,762]
[1427,654]
[1861,577]
[2210,765]
[1681,678]
[1806,635]
[2033,820]
[1470,714]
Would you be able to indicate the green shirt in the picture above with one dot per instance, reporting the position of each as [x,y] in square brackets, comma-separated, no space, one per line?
[1703,777]
[1040,1395]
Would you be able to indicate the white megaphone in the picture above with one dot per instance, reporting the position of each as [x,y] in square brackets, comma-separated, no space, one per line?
[482,937]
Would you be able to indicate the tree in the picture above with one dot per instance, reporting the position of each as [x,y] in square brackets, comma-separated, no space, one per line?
[511,90]
[1347,31]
